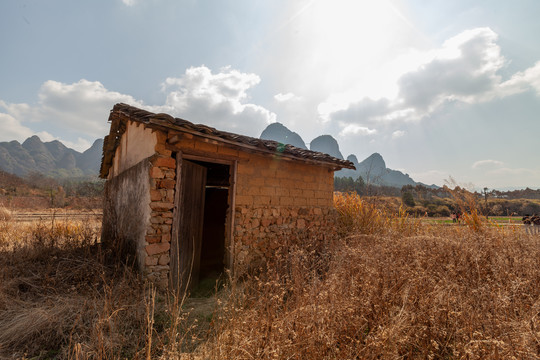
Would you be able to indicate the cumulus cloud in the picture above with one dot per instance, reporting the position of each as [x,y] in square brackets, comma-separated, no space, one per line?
[486,163]
[219,100]
[521,82]
[285,97]
[80,110]
[464,69]
[357,130]
[397,134]
[12,129]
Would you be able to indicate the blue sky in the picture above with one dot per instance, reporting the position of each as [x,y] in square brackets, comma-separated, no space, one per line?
[439,88]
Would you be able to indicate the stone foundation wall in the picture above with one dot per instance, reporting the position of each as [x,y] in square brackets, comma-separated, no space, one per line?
[259,231]
[162,174]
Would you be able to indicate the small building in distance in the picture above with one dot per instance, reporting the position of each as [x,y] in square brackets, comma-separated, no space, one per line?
[190,201]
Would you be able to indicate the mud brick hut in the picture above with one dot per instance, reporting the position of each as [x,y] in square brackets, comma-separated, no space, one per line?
[189,200]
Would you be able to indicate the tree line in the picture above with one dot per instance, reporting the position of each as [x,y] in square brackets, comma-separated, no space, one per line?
[37,183]
[443,201]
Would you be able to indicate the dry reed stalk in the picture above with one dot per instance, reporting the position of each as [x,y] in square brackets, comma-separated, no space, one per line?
[5,214]
[392,288]
[401,290]
[60,298]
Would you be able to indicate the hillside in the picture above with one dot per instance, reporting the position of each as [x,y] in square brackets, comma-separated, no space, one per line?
[279,132]
[327,145]
[372,169]
[50,158]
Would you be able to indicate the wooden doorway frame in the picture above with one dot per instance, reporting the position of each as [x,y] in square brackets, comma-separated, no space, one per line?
[229,220]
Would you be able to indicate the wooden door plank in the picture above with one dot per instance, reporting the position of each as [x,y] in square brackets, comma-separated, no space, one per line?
[190,224]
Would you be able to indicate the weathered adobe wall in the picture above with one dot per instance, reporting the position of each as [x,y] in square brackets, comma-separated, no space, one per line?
[263,181]
[126,212]
[137,143]
[139,202]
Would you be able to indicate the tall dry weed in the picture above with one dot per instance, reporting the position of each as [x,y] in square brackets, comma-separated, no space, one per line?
[5,214]
[365,216]
[391,289]
[467,205]
[455,295]
[59,297]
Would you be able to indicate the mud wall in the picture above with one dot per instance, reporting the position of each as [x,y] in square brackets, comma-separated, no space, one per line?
[126,212]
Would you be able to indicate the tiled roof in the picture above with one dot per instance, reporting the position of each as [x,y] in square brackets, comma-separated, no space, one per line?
[164,121]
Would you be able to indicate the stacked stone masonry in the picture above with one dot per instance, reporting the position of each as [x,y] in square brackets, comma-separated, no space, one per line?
[259,231]
[158,233]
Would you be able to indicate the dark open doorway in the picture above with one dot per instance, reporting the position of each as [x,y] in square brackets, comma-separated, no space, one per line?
[198,248]
[212,262]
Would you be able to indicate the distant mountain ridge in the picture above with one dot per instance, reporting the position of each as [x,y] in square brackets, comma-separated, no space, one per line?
[373,169]
[278,132]
[327,145]
[49,158]
[55,159]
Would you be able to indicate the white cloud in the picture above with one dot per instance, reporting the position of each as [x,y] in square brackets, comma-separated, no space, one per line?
[285,97]
[218,100]
[80,110]
[80,144]
[397,134]
[521,82]
[13,129]
[464,69]
[128,2]
[486,163]
[357,130]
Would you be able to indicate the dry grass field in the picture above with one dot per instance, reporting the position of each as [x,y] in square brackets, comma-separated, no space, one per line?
[389,287]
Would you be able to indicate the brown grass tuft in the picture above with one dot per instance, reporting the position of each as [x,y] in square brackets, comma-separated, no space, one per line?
[58,293]
[389,288]
[5,214]
[449,295]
